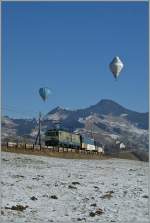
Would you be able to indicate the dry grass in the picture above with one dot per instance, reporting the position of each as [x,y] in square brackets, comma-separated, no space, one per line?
[69,155]
[46,152]
[126,155]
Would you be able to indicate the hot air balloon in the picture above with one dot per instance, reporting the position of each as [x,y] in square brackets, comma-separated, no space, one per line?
[116,66]
[44,93]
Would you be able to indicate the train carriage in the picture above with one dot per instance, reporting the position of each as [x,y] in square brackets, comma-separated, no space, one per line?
[88,144]
[65,139]
[62,138]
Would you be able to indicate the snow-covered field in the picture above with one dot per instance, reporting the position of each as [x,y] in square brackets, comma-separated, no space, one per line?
[103,191]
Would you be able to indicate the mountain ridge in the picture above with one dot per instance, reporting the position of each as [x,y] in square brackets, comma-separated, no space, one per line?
[107,119]
[106,107]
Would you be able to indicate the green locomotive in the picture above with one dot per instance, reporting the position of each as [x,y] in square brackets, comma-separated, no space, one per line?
[54,137]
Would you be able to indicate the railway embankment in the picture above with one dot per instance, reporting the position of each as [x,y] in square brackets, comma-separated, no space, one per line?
[68,153]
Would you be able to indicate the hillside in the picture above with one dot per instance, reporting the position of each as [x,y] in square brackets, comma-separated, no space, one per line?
[107,121]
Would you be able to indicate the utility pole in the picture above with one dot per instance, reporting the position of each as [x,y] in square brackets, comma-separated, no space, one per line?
[39,131]
[39,128]
[92,135]
[92,132]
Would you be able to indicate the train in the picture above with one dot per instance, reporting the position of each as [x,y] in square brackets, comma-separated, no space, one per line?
[55,137]
[66,139]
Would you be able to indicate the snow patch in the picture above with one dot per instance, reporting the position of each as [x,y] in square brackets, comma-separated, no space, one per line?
[118,187]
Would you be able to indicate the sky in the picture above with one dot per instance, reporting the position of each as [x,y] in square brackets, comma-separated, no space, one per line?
[67,47]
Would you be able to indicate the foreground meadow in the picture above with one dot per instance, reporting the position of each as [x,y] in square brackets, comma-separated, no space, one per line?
[42,189]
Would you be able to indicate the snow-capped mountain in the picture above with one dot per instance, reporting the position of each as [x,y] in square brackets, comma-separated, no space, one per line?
[107,121]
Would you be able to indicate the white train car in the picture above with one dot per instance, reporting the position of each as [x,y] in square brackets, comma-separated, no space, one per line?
[91,147]
[88,144]
[12,144]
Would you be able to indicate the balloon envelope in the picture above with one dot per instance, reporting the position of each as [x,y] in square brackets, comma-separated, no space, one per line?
[44,93]
[116,66]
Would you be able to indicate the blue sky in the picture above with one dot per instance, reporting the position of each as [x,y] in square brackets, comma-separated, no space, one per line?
[68,47]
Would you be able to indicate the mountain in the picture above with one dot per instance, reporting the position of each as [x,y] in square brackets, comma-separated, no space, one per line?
[106,120]
[107,107]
